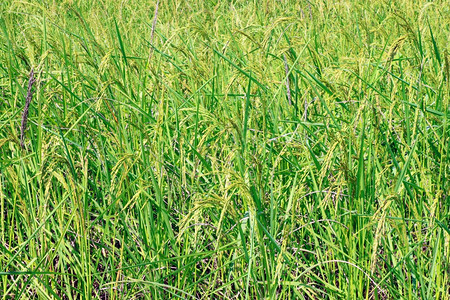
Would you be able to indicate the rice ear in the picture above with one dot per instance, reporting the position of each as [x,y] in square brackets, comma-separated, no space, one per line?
[23,124]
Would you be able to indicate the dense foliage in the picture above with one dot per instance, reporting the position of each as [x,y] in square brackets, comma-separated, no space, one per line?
[224,149]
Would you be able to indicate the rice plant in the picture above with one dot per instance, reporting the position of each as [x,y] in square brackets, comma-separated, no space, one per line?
[270,149]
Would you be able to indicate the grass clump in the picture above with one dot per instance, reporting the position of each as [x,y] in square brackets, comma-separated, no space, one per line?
[224,149]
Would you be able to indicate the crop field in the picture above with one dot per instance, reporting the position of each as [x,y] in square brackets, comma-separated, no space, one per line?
[207,149]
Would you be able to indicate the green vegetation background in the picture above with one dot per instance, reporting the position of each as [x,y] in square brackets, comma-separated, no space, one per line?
[240,150]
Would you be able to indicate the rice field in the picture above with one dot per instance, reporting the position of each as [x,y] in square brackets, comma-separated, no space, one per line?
[269,149]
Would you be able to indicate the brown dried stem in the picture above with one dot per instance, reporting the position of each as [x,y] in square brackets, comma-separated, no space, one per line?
[286,68]
[155,18]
